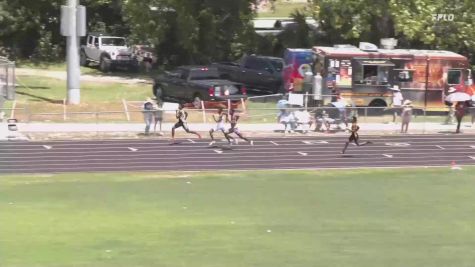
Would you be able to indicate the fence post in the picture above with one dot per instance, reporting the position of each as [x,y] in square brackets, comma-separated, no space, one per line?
[243,104]
[64,110]
[305,100]
[12,113]
[203,111]
[366,114]
[126,109]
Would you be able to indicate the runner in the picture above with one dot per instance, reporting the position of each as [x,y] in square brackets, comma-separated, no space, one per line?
[234,128]
[182,115]
[220,119]
[354,137]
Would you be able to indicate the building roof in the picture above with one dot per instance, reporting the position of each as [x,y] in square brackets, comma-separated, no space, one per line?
[354,51]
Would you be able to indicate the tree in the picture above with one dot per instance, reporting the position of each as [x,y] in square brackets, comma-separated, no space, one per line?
[31,28]
[412,22]
[191,31]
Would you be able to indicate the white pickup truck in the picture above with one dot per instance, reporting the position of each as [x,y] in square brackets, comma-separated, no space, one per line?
[107,51]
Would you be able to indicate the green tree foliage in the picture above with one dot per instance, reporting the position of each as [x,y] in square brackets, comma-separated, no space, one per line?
[192,31]
[31,28]
[410,21]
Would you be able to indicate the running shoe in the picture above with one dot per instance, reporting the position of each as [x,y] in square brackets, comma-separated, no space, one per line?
[252,143]
[212,143]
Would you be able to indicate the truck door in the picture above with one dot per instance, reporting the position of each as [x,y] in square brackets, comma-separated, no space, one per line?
[258,73]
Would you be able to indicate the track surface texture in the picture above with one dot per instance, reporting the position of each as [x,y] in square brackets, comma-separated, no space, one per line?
[267,153]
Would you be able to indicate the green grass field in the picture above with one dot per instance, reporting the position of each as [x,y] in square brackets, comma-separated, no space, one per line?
[403,218]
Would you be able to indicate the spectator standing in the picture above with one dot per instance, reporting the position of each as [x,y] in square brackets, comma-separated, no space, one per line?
[148,115]
[459,113]
[406,115]
[397,102]
[451,114]
[158,115]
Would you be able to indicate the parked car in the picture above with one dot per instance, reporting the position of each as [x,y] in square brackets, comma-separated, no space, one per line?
[194,84]
[256,72]
[107,51]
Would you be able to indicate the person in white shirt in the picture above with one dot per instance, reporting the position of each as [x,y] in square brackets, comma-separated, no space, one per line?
[397,102]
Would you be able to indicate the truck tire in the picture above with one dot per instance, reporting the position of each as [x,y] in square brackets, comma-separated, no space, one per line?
[379,104]
[105,64]
[197,101]
[83,59]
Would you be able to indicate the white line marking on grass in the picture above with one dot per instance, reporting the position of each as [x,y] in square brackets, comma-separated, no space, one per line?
[303,153]
[388,156]
[47,147]
[274,143]
[440,147]
[133,149]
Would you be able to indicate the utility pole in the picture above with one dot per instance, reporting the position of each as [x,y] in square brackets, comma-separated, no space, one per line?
[73,26]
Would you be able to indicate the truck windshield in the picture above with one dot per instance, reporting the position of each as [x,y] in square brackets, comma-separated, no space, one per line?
[204,74]
[277,64]
[113,41]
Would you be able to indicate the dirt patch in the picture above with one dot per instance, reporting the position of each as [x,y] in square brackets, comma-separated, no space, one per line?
[62,75]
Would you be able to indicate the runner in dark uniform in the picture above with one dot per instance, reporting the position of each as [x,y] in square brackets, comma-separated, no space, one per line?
[354,137]
[182,115]
[234,129]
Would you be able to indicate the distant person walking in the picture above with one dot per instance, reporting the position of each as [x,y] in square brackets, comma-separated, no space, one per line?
[459,113]
[148,115]
[354,137]
[406,115]
[158,116]
[182,115]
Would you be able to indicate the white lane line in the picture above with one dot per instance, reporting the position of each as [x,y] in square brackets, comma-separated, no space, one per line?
[237,151]
[315,142]
[191,141]
[388,156]
[218,151]
[472,157]
[303,153]
[274,143]
[441,147]
[47,147]
[144,165]
[146,168]
[133,149]
[472,146]
[398,144]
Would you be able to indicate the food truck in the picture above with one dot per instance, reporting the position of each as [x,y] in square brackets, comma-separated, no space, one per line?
[366,75]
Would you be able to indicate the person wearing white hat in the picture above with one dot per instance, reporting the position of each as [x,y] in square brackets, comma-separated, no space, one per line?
[406,115]
[397,102]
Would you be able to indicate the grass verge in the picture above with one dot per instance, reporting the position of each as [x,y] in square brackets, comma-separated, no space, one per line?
[394,218]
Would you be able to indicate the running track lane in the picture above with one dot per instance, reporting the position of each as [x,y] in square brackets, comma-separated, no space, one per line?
[269,153]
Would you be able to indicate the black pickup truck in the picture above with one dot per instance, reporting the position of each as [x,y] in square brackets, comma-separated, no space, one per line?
[256,72]
[194,84]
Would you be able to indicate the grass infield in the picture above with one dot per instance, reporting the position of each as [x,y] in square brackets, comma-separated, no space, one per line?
[412,217]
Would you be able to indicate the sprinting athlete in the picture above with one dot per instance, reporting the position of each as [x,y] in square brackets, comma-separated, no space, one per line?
[220,118]
[182,115]
[234,129]
[354,137]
